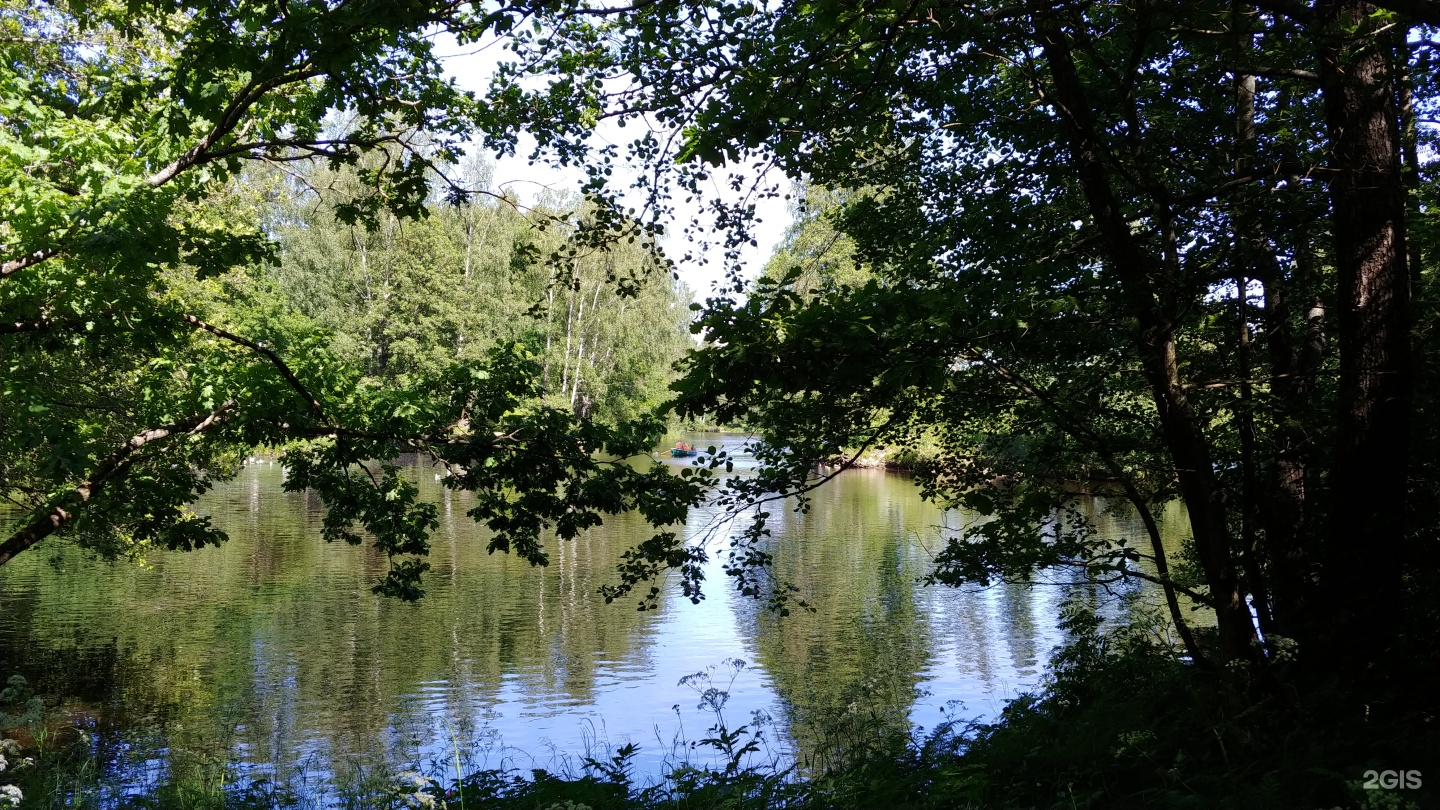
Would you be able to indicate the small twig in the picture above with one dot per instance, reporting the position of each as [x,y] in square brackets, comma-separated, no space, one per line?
[270,354]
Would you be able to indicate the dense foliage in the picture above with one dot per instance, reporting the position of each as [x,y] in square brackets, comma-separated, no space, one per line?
[1173,249]
[409,297]
[1164,243]
[157,158]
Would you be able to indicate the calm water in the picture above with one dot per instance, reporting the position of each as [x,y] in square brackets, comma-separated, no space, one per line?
[270,653]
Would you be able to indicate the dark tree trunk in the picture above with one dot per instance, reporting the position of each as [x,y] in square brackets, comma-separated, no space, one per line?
[1180,426]
[1295,355]
[1252,251]
[1363,565]
[1293,361]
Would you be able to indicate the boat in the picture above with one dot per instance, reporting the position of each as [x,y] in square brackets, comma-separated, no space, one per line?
[677,452]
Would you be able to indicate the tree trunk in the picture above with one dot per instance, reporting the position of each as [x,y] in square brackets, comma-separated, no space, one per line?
[1285,515]
[1409,143]
[569,326]
[1250,248]
[1294,359]
[469,242]
[580,352]
[1183,436]
[1363,564]
[549,324]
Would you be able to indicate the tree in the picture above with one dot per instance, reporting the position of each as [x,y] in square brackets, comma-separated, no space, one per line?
[1104,236]
[410,297]
[817,244]
[135,375]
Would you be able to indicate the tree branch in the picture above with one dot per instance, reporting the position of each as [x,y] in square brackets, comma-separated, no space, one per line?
[194,156]
[41,324]
[229,119]
[1068,423]
[109,468]
[311,148]
[270,355]
[1276,72]
[28,260]
[1163,581]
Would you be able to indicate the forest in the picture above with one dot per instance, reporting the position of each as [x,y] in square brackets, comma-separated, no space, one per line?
[1171,256]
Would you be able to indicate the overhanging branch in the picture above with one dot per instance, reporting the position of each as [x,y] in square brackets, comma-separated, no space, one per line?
[1078,429]
[113,466]
[28,260]
[41,324]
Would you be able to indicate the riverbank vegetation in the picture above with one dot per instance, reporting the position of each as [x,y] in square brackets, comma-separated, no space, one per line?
[1188,247]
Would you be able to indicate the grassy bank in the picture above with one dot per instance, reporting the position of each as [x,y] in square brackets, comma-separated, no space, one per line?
[905,458]
[1120,724]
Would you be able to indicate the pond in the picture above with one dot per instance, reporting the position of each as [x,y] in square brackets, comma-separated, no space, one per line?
[270,657]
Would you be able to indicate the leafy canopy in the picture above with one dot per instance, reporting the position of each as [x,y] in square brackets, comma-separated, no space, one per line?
[137,143]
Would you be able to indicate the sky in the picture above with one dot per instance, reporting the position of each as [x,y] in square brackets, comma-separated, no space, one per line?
[472,66]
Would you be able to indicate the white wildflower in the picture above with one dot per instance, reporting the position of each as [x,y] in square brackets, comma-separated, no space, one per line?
[414,789]
[10,796]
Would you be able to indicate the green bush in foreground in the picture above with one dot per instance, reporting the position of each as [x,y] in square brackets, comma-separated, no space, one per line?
[1125,723]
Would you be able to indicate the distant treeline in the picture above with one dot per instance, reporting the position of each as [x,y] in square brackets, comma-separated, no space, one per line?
[411,295]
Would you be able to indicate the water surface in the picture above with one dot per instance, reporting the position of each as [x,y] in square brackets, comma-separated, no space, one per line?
[270,653]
